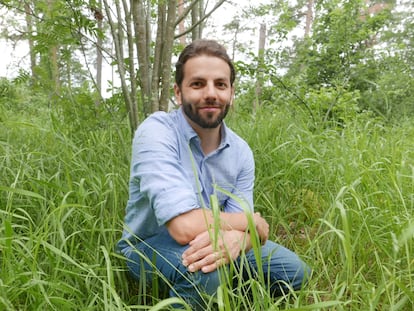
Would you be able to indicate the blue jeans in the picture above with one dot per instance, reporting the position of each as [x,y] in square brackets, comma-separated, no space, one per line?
[161,255]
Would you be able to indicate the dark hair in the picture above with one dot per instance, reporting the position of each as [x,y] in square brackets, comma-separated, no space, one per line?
[198,48]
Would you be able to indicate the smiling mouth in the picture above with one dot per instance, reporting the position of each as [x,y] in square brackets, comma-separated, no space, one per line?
[210,107]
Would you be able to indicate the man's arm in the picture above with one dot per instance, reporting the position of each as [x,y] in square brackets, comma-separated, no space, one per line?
[211,248]
[185,227]
[208,250]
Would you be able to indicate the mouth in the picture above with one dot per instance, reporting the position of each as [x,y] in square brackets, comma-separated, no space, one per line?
[210,107]
[210,110]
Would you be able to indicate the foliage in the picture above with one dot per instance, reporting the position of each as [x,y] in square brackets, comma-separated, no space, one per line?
[386,87]
[64,27]
[17,99]
[347,50]
[351,62]
[8,94]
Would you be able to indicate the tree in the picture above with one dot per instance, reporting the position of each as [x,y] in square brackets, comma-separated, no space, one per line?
[55,30]
[341,39]
[143,34]
[387,87]
[132,31]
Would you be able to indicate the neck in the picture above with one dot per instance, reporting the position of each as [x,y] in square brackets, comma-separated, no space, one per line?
[210,138]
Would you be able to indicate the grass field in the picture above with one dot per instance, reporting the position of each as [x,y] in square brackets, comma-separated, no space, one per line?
[341,197]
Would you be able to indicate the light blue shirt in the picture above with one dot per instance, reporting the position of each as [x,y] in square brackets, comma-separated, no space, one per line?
[170,175]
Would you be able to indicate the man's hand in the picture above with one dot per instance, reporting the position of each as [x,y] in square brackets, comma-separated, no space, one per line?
[262,227]
[205,255]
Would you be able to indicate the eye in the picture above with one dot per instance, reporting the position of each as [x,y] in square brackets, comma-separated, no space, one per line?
[221,85]
[196,84]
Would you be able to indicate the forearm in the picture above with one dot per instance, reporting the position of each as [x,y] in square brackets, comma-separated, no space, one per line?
[207,253]
[186,227]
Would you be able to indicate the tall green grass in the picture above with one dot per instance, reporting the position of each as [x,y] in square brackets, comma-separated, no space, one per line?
[342,198]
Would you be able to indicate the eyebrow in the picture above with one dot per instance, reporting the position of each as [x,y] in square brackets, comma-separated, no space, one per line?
[195,78]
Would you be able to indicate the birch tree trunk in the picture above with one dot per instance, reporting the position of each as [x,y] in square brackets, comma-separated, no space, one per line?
[131,63]
[53,55]
[117,35]
[260,66]
[181,25]
[99,57]
[167,54]
[195,20]
[309,18]
[156,69]
[143,41]
[29,25]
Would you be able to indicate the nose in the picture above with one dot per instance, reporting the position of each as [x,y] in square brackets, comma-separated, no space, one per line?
[210,91]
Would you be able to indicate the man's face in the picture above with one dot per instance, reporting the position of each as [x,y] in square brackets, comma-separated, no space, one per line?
[206,93]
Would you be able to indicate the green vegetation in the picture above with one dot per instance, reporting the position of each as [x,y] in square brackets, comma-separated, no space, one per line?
[340,195]
[329,117]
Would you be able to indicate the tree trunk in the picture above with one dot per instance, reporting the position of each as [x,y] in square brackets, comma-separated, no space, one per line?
[131,62]
[260,64]
[99,56]
[166,56]
[181,25]
[53,56]
[117,35]
[29,25]
[198,17]
[158,54]
[142,34]
[197,14]
[309,18]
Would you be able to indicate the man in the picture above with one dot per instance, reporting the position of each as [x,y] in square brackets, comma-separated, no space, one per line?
[185,165]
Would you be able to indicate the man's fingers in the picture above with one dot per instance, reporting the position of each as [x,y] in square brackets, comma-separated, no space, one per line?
[215,265]
[200,241]
[197,255]
[211,257]
[209,263]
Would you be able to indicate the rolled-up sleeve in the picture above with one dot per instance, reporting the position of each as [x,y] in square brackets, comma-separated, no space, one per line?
[157,170]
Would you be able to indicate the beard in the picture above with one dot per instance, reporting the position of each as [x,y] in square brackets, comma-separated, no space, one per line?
[209,120]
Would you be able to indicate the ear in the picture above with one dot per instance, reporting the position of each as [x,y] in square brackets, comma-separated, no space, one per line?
[177,93]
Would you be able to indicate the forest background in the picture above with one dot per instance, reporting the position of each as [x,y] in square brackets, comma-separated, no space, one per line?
[325,98]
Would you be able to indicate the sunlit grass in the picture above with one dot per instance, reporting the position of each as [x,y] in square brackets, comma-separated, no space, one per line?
[342,198]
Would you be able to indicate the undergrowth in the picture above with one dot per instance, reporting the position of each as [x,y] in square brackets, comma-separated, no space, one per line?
[341,197]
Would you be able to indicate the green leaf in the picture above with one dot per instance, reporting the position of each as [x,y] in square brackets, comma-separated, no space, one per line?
[23,192]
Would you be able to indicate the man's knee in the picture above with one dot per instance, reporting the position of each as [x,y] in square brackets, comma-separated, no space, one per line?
[203,282]
[283,268]
[197,288]
[302,275]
